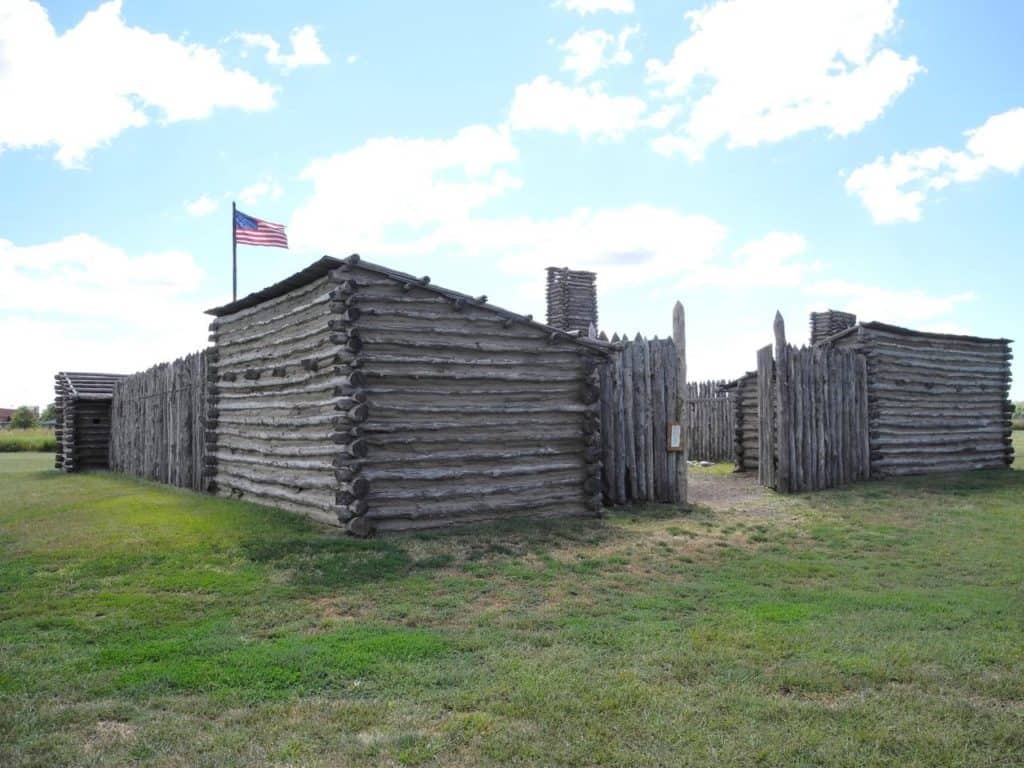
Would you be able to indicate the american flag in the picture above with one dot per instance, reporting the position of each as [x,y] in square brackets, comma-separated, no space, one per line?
[252,231]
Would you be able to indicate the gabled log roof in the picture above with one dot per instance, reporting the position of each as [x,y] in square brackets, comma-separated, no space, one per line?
[321,267]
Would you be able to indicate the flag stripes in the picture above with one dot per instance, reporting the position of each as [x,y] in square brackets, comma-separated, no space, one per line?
[252,231]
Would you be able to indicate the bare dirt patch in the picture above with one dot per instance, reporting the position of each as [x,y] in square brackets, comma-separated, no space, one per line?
[738,493]
[108,733]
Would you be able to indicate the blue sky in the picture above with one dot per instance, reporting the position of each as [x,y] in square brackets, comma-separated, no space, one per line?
[740,156]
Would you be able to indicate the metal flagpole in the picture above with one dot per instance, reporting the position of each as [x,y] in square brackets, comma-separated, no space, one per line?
[234,256]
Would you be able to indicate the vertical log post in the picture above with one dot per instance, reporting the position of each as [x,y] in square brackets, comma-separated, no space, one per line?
[766,415]
[679,337]
[783,397]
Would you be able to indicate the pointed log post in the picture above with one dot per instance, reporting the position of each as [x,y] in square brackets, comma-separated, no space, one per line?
[679,337]
[783,423]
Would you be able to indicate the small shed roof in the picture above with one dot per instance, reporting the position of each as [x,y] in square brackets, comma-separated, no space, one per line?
[88,386]
[322,266]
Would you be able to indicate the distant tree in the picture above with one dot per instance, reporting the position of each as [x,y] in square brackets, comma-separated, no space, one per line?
[49,412]
[24,417]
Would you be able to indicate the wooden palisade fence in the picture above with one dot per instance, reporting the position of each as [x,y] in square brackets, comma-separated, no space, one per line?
[159,422]
[710,430]
[639,390]
[813,409]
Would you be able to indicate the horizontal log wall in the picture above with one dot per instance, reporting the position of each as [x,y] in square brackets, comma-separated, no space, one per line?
[936,404]
[743,399]
[158,418]
[711,425]
[638,402]
[469,415]
[275,372]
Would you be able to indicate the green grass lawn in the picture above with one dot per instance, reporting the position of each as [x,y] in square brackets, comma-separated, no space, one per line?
[881,625]
[35,439]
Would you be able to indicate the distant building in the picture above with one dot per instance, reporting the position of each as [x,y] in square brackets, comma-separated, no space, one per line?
[5,417]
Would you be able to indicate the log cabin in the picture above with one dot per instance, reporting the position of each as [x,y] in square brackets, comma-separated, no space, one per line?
[366,397]
[937,402]
[82,404]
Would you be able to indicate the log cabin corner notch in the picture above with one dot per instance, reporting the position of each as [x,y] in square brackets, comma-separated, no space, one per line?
[363,396]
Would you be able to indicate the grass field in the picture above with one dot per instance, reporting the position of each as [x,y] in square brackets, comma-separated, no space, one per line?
[36,439]
[881,625]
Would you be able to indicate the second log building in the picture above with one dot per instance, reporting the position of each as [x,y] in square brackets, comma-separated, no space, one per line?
[360,395]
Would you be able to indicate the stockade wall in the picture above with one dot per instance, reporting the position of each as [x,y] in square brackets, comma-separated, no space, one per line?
[814,402]
[710,425]
[937,402]
[638,402]
[158,418]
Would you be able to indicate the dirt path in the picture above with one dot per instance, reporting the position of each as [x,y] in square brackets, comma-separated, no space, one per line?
[737,493]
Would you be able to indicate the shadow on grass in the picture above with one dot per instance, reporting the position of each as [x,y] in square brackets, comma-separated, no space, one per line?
[327,561]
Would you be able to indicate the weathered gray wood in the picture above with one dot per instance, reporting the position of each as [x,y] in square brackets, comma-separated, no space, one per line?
[158,419]
[783,395]
[659,453]
[672,413]
[767,408]
[648,421]
[711,425]
[626,445]
[679,339]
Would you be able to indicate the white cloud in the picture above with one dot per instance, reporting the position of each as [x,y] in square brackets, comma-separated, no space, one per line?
[913,307]
[774,260]
[58,314]
[589,51]
[412,185]
[81,89]
[663,117]
[547,105]
[352,58]
[424,200]
[583,7]
[628,246]
[755,72]
[895,189]
[264,189]
[306,48]
[203,205]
